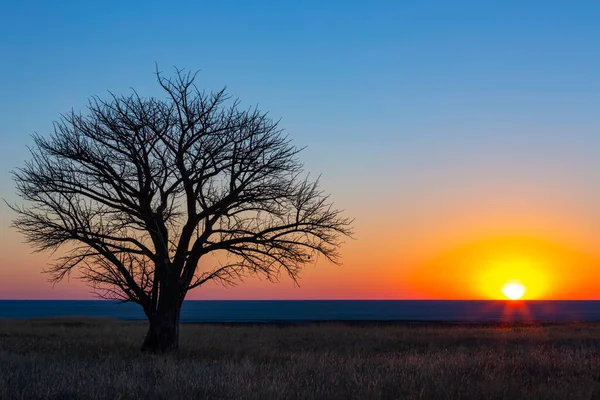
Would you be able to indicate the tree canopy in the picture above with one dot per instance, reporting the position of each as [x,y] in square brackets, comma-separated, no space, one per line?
[137,190]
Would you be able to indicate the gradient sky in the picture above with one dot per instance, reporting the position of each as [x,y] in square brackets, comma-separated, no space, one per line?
[463,136]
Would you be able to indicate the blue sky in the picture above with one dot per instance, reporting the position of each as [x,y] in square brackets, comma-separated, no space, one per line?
[428,108]
[359,77]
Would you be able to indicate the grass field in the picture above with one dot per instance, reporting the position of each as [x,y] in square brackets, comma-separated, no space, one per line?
[100,359]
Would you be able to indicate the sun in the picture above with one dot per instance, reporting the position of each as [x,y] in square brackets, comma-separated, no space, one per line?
[513,290]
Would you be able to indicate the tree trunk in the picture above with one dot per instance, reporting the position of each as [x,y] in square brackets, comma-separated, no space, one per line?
[163,332]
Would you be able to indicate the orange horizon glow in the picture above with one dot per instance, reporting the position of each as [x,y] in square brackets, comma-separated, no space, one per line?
[470,270]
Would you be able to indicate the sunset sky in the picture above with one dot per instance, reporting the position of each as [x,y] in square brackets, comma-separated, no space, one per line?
[463,137]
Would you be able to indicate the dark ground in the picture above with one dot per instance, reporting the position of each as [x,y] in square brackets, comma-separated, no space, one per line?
[100,359]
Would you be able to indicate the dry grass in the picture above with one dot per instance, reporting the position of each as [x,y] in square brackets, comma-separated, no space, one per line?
[99,359]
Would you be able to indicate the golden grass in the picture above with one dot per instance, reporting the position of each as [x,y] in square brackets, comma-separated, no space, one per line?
[100,359]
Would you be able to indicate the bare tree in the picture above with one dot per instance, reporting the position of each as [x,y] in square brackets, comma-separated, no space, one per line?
[138,190]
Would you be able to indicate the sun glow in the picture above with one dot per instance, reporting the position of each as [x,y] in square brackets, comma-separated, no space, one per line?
[513,290]
[515,277]
[480,269]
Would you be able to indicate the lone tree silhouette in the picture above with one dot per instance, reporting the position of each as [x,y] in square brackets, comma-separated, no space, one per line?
[138,190]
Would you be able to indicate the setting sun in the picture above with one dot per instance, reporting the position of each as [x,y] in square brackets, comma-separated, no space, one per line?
[513,290]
